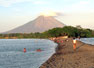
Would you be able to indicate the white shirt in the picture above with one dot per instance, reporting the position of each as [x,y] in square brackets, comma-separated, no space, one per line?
[74,41]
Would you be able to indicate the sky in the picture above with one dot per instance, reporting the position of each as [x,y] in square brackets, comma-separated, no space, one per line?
[14,13]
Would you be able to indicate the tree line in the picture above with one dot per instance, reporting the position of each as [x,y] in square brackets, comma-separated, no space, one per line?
[55,32]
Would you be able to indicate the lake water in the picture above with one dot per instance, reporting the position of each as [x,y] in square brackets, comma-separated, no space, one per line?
[88,40]
[12,55]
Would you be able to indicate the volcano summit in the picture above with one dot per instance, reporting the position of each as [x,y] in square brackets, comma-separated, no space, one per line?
[40,24]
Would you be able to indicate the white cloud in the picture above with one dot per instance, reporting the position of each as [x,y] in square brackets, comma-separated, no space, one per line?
[40,2]
[17,9]
[80,6]
[84,2]
[59,14]
[7,3]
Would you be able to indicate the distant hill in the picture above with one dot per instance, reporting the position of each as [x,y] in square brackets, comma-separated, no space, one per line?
[40,24]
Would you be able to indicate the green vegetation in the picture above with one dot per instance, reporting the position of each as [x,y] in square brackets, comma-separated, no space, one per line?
[56,32]
[71,32]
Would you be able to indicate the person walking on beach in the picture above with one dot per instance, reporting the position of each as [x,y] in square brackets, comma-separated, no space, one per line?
[74,44]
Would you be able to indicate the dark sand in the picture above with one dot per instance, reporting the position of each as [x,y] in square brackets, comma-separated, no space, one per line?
[65,57]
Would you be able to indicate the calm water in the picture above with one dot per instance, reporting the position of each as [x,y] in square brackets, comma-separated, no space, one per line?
[88,40]
[12,56]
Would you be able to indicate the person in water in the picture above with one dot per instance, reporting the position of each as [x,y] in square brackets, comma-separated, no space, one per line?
[39,50]
[74,44]
[24,50]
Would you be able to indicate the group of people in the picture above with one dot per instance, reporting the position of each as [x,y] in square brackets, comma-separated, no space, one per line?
[74,42]
[74,46]
[38,50]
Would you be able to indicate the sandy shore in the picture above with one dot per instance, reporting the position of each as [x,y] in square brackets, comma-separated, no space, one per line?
[65,57]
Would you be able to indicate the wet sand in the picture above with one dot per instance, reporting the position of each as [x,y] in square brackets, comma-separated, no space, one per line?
[66,57]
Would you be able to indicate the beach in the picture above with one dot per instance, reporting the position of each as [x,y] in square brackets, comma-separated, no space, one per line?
[66,57]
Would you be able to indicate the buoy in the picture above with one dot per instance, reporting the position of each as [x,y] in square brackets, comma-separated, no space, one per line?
[24,50]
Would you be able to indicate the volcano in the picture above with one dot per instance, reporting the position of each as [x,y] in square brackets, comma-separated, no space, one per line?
[40,25]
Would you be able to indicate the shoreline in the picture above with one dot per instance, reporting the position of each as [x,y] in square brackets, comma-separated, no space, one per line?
[65,57]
